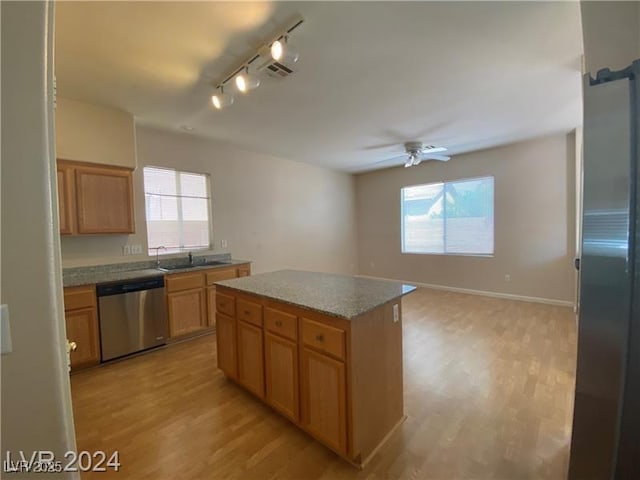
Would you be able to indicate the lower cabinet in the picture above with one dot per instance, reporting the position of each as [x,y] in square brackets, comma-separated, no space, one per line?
[281,375]
[187,311]
[250,357]
[191,298]
[226,343]
[323,398]
[81,319]
[339,380]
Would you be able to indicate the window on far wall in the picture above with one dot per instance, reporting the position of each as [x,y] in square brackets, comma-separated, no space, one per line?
[448,218]
[178,208]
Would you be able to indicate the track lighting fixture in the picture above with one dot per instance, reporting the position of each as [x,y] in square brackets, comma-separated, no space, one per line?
[281,51]
[246,81]
[273,59]
[221,99]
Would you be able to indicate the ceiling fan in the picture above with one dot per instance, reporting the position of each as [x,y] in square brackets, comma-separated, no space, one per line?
[417,152]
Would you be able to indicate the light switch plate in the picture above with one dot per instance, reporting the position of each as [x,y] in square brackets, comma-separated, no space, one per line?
[126,250]
[136,249]
[396,313]
[5,330]
[224,244]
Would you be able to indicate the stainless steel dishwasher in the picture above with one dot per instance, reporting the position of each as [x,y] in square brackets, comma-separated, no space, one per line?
[133,316]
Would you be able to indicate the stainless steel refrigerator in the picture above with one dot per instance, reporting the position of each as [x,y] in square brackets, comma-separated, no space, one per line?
[606,423]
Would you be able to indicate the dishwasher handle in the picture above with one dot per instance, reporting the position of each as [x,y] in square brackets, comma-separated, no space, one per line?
[119,288]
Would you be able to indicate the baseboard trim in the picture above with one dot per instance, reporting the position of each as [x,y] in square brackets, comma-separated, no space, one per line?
[484,293]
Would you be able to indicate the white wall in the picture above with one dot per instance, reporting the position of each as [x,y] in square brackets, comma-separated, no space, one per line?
[534,221]
[93,133]
[275,212]
[36,399]
[611,32]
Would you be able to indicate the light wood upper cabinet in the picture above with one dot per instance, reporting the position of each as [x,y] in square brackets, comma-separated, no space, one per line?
[323,398]
[81,318]
[94,199]
[250,358]
[281,375]
[104,200]
[65,196]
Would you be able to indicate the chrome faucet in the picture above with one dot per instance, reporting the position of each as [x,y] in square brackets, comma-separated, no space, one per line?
[157,249]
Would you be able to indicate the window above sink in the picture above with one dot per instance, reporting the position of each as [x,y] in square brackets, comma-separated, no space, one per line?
[178,210]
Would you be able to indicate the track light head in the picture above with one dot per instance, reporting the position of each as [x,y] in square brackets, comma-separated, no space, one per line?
[221,99]
[245,81]
[282,52]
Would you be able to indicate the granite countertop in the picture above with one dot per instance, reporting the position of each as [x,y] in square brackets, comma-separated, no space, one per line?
[73,277]
[336,295]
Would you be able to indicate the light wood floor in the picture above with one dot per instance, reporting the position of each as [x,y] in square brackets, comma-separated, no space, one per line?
[488,393]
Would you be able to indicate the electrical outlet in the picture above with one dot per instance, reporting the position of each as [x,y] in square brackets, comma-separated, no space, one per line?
[126,250]
[136,249]
[396,313]
[224,244]
[507,278]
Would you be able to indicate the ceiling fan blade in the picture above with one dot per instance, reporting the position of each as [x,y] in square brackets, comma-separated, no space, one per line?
[441,158]
[434,150]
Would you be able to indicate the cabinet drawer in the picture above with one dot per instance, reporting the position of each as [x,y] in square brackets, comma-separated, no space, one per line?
[323,337]
[250,312]
[244,270]
[222,274]
[282,323]
[184,281]
[79,297]
[225,304]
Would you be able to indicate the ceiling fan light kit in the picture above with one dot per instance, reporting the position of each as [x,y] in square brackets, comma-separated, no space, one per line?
[416,152]
[274,59]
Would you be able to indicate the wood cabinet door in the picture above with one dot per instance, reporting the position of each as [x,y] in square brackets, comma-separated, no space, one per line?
[211,306]
[82,328]
[250,358]
[65,200]
[323,398]
[281,373]
[226,343]
[104,200]
[187,311]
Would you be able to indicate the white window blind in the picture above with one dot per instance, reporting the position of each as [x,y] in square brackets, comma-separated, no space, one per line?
[448,218]
[178,209]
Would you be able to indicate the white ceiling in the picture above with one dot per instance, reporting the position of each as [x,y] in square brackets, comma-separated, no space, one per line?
[461,75]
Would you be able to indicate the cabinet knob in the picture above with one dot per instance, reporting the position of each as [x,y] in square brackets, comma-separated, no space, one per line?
[320,337]
[72,346]
[278,323]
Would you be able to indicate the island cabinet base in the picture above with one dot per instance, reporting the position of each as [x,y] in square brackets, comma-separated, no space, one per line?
[339,380]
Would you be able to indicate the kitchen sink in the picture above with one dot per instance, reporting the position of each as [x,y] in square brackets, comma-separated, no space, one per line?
[213,263]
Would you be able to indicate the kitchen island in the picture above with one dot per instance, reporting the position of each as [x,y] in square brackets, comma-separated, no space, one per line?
[323,350]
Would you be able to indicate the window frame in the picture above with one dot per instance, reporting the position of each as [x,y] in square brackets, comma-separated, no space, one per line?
[209,197]
[458,254]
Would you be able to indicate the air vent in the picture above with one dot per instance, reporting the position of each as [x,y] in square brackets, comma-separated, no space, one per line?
[265,64]
[278,70]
